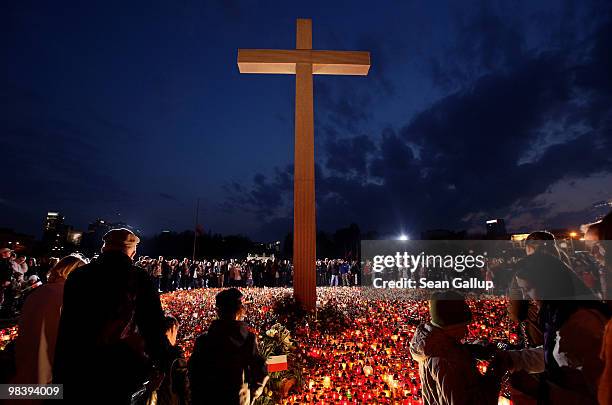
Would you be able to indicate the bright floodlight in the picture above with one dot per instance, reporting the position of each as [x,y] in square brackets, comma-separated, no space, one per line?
[403,237]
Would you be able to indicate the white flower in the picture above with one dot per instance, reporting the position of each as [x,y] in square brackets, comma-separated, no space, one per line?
[271,332]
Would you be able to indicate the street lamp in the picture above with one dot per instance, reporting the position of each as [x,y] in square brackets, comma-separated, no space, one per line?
[403,236]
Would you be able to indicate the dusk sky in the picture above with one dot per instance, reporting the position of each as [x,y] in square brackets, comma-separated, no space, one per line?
[132,110]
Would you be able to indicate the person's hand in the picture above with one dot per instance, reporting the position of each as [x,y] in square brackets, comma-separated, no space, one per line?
[257,393]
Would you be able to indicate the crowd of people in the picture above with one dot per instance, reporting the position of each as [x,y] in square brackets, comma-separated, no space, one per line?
[337,272]
[19,275]
[586,262]
[185,274]
[99,328]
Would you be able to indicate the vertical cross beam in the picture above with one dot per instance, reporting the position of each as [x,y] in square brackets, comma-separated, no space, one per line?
[304,223]
[304,62]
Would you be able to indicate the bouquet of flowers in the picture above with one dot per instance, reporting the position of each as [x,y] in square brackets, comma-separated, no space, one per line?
[277,342]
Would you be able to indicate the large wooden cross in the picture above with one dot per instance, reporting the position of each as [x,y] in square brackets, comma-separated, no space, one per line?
[303,62]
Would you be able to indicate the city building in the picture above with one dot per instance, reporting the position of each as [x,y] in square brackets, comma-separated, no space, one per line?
[59,238]
[54,233]
[53,222]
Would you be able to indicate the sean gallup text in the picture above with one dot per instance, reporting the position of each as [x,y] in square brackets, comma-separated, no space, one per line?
[456,283]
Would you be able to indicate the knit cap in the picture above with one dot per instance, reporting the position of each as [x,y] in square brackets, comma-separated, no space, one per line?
[120,238]
[448,308]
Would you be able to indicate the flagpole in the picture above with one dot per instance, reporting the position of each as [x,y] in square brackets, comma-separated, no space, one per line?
[195,230]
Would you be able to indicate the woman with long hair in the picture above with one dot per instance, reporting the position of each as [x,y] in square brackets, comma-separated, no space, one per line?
[572,324]
[38,325]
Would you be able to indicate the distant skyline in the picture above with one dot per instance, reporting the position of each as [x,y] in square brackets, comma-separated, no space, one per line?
[471,111]
[600,209]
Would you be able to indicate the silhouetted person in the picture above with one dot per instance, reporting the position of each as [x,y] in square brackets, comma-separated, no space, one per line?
[38,326]
[112,327]
[174,389]
[226,356]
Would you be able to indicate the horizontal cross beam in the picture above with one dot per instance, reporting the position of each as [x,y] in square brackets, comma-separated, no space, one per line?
[323,62]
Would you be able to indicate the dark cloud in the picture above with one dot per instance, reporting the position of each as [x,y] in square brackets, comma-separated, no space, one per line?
[344,106]
[485,42]
[494,37]
[383,50]
[463,157]
[349,155]
[266,197]
[347,103]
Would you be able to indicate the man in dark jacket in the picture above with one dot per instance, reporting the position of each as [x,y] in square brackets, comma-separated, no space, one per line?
[226,356]
[111,329]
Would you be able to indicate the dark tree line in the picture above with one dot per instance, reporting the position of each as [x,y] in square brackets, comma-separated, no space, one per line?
[342,243]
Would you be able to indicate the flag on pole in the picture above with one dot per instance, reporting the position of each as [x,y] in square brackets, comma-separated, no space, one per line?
[277,363]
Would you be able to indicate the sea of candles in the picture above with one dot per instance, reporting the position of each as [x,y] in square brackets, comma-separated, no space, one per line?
[366,363]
